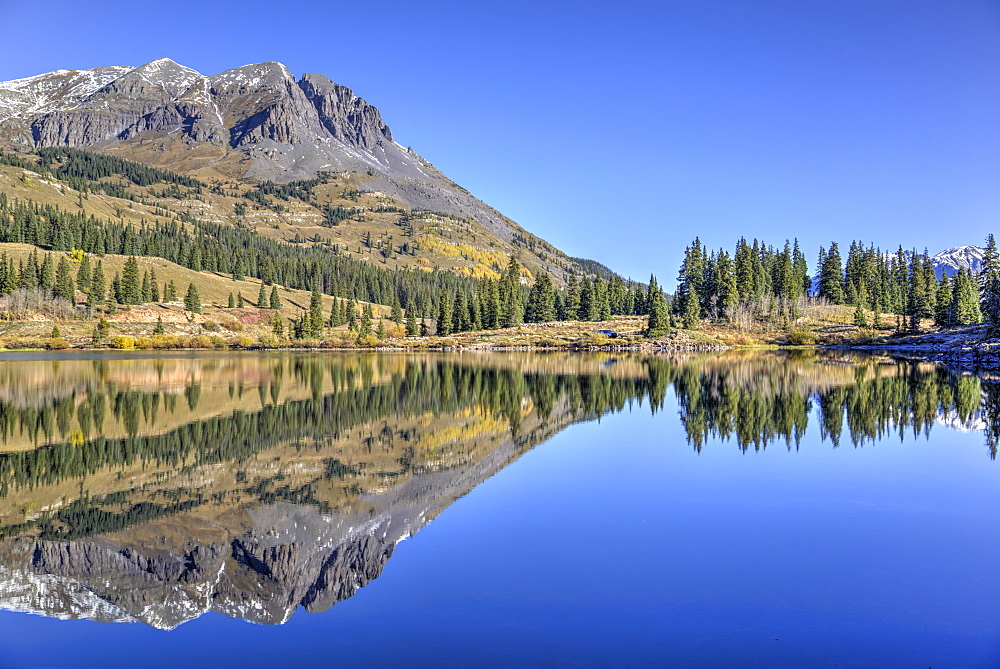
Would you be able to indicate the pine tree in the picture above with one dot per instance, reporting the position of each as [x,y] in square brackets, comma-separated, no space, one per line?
[511,299]
[83,275]
[444,313]
[192,301]
[541,301]
[860,319]
[588,308]
[154,287]
[275,301]
[396,316]
[232,302]
[47,275]
[412,328]
[64,287]
[831,276]
[159,329]
[352,314]
[365,324]
[315,324]
[602,303]
[989,282]
[170,292]
[380,332]
[965,297]
[658,320]
[725,285]
[130,291]
[98,288]
[691,278]
[942,312]
[262,302]
[571,306]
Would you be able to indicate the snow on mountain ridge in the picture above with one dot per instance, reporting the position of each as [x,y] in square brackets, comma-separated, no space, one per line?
[952,259]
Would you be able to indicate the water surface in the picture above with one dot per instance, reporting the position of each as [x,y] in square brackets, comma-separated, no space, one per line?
[562,510]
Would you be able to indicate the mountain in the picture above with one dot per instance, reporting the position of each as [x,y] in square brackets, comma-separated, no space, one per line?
[951,260]
[255,123]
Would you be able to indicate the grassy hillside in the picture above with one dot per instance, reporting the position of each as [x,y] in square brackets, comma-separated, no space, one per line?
[332,210]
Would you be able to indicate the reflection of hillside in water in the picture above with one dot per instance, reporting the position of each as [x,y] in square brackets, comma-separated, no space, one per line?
[286,480]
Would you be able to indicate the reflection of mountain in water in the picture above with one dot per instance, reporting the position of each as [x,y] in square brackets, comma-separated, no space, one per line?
[287,481]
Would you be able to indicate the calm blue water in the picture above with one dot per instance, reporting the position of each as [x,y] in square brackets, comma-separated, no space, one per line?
[615,543]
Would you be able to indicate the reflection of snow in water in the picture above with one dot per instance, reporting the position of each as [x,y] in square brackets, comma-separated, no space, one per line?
[951,419]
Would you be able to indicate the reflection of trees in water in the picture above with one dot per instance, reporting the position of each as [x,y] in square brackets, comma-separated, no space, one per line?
[877,402]
[754,400]
[440,389]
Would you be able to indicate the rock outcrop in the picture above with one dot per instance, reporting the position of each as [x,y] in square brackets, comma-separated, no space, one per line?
[285,128]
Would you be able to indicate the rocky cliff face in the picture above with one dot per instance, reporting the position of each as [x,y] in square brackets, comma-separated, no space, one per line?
[286,128]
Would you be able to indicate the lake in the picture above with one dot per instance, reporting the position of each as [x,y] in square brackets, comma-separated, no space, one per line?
[761,509]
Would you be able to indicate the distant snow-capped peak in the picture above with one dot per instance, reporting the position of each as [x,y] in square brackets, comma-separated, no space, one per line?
[951,260]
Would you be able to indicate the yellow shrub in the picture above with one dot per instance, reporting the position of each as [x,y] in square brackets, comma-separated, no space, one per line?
[802,338]
[122,341]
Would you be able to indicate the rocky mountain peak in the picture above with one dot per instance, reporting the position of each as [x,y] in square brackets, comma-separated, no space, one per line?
[280,128]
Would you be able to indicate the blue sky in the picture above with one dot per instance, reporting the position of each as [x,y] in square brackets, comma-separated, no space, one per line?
[619,131]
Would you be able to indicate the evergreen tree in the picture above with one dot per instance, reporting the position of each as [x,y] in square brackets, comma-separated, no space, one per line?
[170,292]
[658,321]
[159,329]
[98,287]
[444,313]
[459,314]
[154,288]
[47,275]
[315,322]
[262,302]
[365,324]
[352,314]
[232,302]
[831,276]
[130,284]
[511,299]
[396,316]
[192,301]
[275,301]
[725,297]
[860,319]
[541,301]
[571,307]
[28,276]
[588,308]
[83,275]
[602,302]
[965,299]
[943,316]
[691,278]
[412,328]
[64,287]
[989,283]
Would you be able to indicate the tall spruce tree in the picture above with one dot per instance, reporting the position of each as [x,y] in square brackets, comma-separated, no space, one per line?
[831,276]
[541,300]
[192,300]
[658,321]
[65,287]
[444,313]
[315,319]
